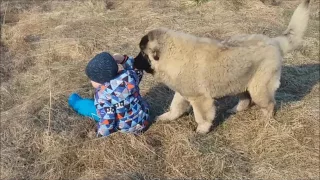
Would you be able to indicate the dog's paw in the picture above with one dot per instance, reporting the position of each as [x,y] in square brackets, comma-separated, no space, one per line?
[143,92]
[203,128]
[232,111]
[268,113]
[164,117]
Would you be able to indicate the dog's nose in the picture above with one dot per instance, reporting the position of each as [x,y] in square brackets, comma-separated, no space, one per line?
[156,58]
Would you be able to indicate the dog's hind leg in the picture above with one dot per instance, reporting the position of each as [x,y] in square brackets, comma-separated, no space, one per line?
[204,112]
[243,104]
[265,100]
[179,105]
[263,93]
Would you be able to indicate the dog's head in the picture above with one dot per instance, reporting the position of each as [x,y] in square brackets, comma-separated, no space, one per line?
[150,45]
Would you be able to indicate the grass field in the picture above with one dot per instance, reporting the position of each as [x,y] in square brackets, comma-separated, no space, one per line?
[45,46]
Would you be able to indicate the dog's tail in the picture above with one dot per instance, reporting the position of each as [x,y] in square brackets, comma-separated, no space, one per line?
[292,37]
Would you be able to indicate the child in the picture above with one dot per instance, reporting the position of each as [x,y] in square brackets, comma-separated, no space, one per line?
[117,98]
[86,107]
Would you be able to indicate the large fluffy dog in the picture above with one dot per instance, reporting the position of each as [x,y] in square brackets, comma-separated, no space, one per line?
[200,69]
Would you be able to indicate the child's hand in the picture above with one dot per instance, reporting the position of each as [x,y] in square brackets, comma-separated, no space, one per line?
[95,84]
[118,57]
[120,68]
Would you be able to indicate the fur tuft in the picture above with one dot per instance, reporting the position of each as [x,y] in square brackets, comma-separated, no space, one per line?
[293,35]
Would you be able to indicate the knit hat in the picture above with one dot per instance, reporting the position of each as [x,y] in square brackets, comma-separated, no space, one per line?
[102,68]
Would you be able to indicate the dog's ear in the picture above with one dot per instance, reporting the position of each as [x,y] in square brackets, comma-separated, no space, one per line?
[143,43]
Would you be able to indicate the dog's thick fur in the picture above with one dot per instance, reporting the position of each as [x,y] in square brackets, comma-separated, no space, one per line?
[200,69]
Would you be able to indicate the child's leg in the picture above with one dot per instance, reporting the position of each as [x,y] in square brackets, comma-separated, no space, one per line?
[84,107]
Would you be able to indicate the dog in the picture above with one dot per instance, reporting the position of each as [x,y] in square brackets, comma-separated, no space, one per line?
[200,69]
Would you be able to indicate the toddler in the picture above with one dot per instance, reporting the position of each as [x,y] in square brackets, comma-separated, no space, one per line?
[117,98]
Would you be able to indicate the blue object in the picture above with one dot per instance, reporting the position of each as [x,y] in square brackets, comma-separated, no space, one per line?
[84,107]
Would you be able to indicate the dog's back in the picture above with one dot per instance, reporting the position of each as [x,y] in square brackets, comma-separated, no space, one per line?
[193,65]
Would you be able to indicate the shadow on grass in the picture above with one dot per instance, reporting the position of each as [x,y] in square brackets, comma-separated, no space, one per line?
[296,83]
[159,98]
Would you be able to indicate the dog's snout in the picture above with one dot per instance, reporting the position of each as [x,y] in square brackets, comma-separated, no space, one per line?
[156,58]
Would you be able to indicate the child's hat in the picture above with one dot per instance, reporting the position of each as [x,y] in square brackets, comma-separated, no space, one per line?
[102,68]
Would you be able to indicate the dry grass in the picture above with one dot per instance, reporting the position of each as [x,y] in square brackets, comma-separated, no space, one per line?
[48,43]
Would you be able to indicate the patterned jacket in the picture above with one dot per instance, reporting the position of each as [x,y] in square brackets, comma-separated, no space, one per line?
[119,103]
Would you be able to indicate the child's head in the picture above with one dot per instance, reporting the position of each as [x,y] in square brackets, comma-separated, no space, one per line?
[102,68]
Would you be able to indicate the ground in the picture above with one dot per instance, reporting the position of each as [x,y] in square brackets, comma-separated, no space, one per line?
[45,46]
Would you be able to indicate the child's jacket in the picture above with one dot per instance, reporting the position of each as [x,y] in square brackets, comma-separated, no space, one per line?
[119,103]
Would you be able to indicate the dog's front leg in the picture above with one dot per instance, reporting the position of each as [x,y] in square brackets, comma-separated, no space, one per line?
[179,105]
[204,112]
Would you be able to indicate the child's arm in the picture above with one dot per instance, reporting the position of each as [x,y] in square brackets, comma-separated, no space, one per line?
[128,64]
[126,61]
